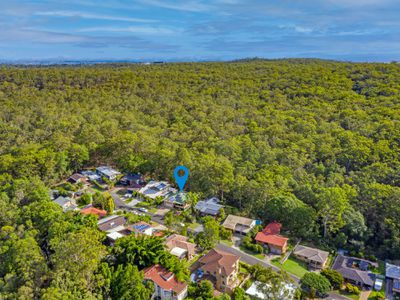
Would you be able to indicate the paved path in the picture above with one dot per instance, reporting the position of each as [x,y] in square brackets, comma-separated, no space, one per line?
[364,295]
[251,260]
[334,296]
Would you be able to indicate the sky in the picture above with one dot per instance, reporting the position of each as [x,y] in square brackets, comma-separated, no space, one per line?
[192,30]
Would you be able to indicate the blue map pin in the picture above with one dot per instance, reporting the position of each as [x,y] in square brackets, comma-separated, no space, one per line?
[181,180]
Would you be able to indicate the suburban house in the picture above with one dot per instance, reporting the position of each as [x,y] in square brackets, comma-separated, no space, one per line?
[76,178]
[393,278]
[112,223]
[221,268]
[178,200]
[155,189]
[315,258]
[238,224]
[354,271]
[141,228]
[135,181]
[54,194]
[66,203]
[166,286]
[179,246]
[270,237]
[259,291]
[90,175]
[209,207]
[107,172]
[115,235]
[91,210]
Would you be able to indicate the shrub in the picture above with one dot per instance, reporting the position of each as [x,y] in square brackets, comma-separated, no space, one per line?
[315,284]
[334,277]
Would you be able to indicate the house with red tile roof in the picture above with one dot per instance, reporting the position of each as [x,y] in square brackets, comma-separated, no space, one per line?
[221,268]
[166,285]
[270,237]
[90,210]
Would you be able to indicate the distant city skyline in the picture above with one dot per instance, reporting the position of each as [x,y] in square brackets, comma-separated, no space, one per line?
[195,30]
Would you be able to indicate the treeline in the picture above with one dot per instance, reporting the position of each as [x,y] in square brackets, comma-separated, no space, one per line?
[313,144]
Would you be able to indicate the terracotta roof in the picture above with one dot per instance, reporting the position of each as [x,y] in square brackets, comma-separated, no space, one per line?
[273,228]
[93,211]
[311,254]
[164,279]
[180,241]
[272,239]
[216,260]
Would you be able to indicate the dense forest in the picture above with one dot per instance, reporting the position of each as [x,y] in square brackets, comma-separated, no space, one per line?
[313,144]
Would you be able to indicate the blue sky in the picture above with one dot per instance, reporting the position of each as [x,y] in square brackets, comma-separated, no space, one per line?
[358,30]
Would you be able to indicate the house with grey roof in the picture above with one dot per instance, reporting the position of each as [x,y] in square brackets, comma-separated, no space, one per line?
[209,207]
[66,203]
[354,271]
[112,223]
[393,278]
[107,172]
[315,258]
[154,189]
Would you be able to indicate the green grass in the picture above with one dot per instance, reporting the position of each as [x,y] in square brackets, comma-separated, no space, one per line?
[348,295]
[293,266]
[193,225]
[374,295]
[258,255]
[152,210]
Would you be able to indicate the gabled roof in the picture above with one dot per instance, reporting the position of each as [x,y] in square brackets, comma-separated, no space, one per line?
[270,235]
[232,222]
[312,254]
[350,273]
[75,177]
[272,239]
[392,271]
[217,260]
[111,222]
[209,206]
[164,279]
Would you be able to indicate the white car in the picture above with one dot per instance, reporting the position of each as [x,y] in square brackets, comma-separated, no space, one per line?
[378,284]
[127,196]
[142,209]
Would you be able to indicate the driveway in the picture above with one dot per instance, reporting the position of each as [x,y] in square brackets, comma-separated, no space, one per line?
[251,260]
[389,289]
[334,296]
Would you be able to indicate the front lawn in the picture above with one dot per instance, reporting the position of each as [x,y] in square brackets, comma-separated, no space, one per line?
[292,265]
[258,255]
[348,295]
[375,295]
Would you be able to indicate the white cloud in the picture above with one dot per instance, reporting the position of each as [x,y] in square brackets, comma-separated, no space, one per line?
[192,6]
[83,15]
[132,29]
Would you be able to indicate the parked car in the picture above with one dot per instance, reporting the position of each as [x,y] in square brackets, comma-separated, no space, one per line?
[142,209]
